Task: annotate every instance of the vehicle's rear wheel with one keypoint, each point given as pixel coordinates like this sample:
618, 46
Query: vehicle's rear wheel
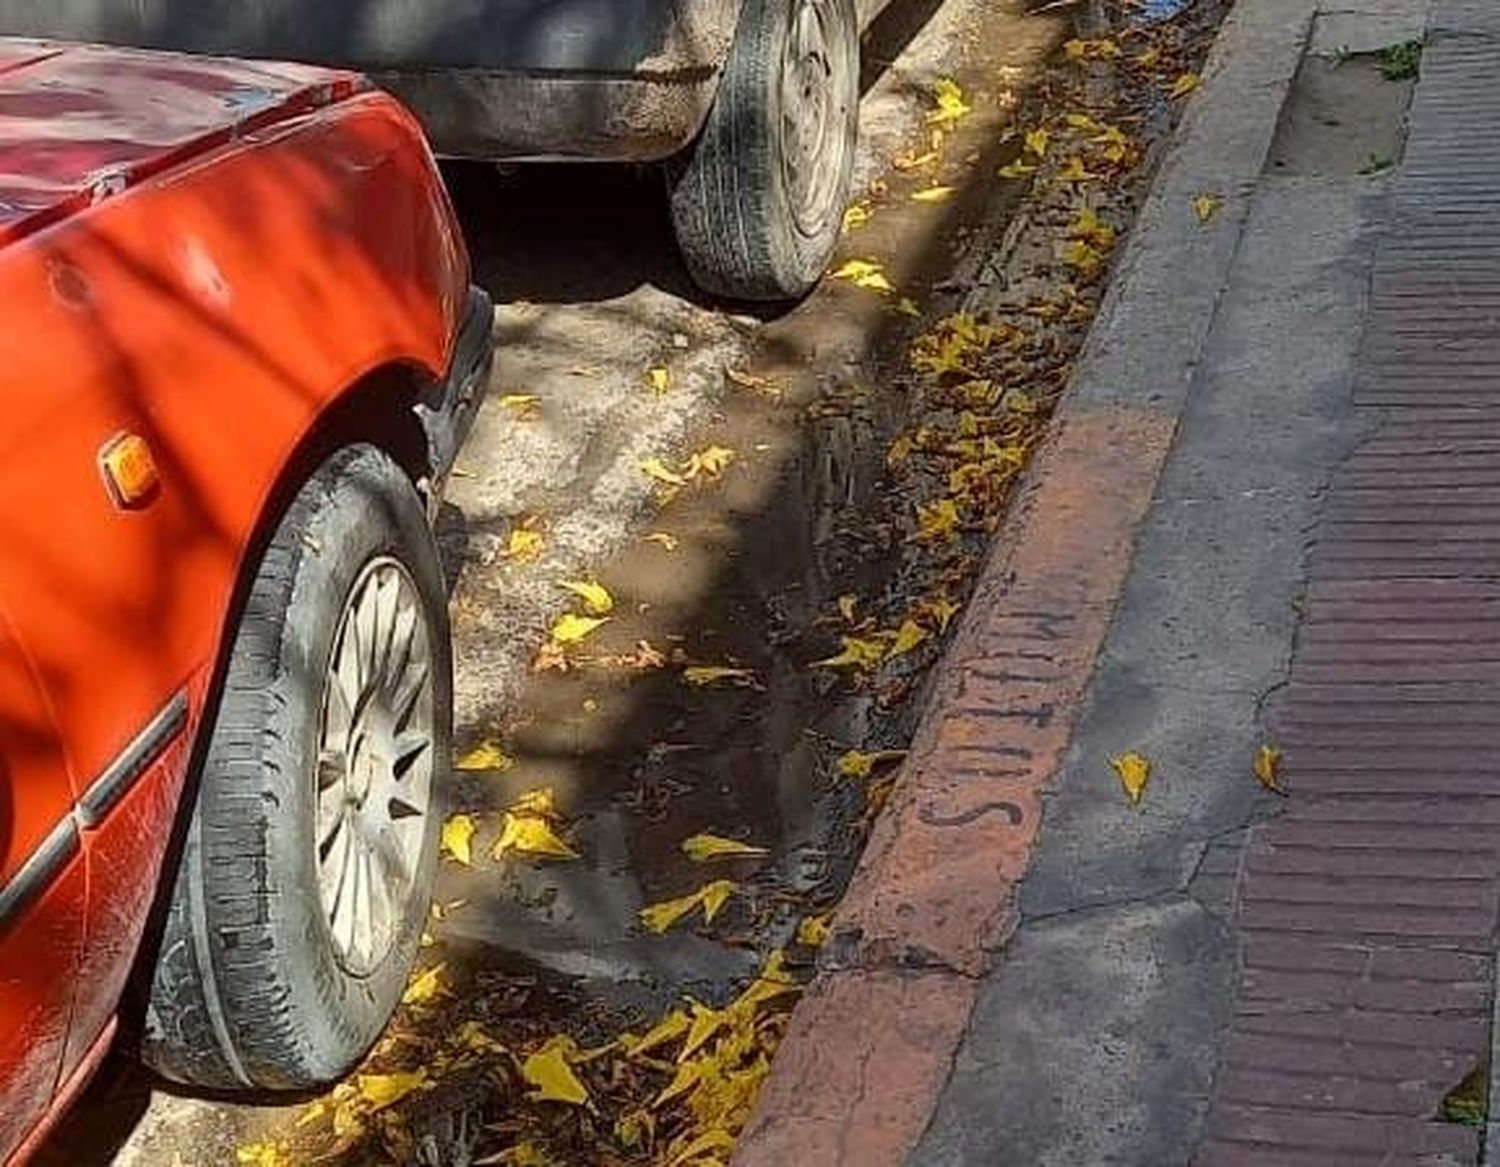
305, 872
758, 202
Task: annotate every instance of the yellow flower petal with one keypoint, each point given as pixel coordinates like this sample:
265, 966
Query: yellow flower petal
529, 835
571, 628
595, 596
382, 1090
1135, 771
458, 838
487, 755
1267, 765
702, 847
424, 986
550, 1076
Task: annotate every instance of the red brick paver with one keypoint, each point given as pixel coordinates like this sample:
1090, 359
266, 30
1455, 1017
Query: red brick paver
1368, 910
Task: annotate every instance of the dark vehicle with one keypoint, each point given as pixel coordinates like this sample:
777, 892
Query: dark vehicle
755, 102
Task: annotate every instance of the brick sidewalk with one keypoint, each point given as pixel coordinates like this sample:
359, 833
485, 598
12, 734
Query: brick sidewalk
1367, 912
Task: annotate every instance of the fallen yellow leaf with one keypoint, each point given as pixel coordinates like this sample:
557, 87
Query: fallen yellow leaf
914, 161
382, 1090
864, 273
937, 520
813, 931
856, 764
752, 381
703, 1150
701, 848
663, 540
487, 755
711, 461
1102, 49
523, 405
424, 986
939, 608
847, 604
658, 470
660, 379
1075, 171
541, 802
1016, 169
571, 628
858, 653
665, 1031
1267, 765
856, 215
529, 834
595, 596
472, 1036
908, 636
458, 838
1185, 84
551, 1077
1205, 206
1082, 257
701, 676
524, 545
262, 1154
948, 99
859, 764
1088, 227
715, 896
1036, 141
932, 194
711, 897
1134, 771
908, 307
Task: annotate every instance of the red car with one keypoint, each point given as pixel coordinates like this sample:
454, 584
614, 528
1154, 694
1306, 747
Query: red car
239, 351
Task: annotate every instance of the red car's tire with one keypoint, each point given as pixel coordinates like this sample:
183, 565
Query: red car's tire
758, 202
258, 980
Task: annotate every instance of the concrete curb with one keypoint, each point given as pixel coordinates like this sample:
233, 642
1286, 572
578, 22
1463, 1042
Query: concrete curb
932, 902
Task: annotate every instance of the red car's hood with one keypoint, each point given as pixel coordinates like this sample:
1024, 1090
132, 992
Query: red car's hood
79, 123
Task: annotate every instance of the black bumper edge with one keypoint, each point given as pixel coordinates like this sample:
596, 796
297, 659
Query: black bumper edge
448, 413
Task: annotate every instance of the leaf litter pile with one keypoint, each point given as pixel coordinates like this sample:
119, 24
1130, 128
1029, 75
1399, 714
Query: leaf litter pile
494, 1066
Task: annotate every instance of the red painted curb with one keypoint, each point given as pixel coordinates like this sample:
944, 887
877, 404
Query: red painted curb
931, 903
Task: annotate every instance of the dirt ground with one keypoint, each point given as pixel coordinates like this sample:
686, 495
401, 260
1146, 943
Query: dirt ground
757, 494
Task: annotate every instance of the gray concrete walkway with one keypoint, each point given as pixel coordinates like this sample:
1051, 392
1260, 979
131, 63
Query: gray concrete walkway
1224, 975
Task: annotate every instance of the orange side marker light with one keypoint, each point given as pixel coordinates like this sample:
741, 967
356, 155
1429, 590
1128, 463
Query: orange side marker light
129, 470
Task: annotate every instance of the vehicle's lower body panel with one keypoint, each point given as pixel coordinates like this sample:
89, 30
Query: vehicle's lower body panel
616, 79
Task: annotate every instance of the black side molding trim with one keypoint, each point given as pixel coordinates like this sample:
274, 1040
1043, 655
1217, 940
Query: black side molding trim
42, 866
122, 773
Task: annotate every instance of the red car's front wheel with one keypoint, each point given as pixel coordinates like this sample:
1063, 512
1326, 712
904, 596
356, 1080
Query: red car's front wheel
304, 878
